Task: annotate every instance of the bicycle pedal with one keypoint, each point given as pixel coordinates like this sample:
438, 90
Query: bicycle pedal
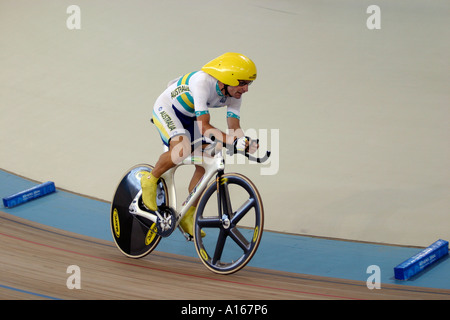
186, 235
142, 206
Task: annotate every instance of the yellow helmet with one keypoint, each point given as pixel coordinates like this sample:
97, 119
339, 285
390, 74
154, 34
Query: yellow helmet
231, 67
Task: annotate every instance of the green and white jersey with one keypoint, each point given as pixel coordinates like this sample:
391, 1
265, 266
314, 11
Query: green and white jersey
194, 93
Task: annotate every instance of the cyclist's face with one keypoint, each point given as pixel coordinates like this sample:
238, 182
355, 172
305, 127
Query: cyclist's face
238, 91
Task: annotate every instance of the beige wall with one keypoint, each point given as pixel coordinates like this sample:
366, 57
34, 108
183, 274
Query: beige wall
362, 115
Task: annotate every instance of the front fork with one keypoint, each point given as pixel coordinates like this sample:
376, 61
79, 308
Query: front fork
224, 203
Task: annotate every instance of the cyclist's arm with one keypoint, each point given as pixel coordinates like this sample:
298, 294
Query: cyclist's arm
234, 126
209, 130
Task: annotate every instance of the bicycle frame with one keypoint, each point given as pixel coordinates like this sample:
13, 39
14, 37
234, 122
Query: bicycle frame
137, 230
212, 165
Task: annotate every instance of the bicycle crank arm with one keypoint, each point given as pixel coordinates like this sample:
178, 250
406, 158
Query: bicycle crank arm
136, 210
164, 218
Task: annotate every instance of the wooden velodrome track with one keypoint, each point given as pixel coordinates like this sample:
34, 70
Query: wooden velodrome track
35, 259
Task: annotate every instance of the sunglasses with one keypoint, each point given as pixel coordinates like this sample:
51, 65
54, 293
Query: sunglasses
244, 83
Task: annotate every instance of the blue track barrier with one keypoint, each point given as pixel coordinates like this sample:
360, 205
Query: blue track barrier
29, 194
420, 261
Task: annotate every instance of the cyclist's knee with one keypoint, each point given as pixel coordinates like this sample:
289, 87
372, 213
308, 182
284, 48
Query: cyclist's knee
199, 170
180, 148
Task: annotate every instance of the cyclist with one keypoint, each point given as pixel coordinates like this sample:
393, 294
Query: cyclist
182, 118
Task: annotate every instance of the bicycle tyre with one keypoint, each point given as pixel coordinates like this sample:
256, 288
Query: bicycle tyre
244, 239
133, 235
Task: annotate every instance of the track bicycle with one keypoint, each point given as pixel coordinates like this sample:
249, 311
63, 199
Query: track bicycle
230, 211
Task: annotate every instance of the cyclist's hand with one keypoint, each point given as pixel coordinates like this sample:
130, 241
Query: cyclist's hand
253, 146
245, 144
241, 144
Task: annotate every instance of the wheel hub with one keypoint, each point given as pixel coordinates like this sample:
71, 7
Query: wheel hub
226, 223
165, 223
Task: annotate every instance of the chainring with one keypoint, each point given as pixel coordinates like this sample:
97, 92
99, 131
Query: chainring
166, 221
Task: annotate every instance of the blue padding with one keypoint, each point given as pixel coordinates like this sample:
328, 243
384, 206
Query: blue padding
420, 261
29, 194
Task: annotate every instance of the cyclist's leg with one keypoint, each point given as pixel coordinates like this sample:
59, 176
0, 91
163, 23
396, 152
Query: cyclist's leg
179, 149
198, 174
199, 142
177, 138
174, 129
166, 161
187, 223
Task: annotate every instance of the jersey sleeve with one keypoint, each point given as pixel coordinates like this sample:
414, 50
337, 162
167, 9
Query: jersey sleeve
234, 109
200, 94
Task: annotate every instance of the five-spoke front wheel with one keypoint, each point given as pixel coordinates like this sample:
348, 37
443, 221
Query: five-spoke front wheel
233, 231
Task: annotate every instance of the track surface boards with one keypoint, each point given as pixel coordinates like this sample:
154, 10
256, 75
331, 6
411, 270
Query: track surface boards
35, 259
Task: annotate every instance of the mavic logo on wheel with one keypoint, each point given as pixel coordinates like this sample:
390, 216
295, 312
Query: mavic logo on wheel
151, 234
116, 223
204, 254
255, 234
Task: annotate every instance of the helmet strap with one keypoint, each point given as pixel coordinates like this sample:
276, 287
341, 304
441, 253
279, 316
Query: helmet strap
225, 87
